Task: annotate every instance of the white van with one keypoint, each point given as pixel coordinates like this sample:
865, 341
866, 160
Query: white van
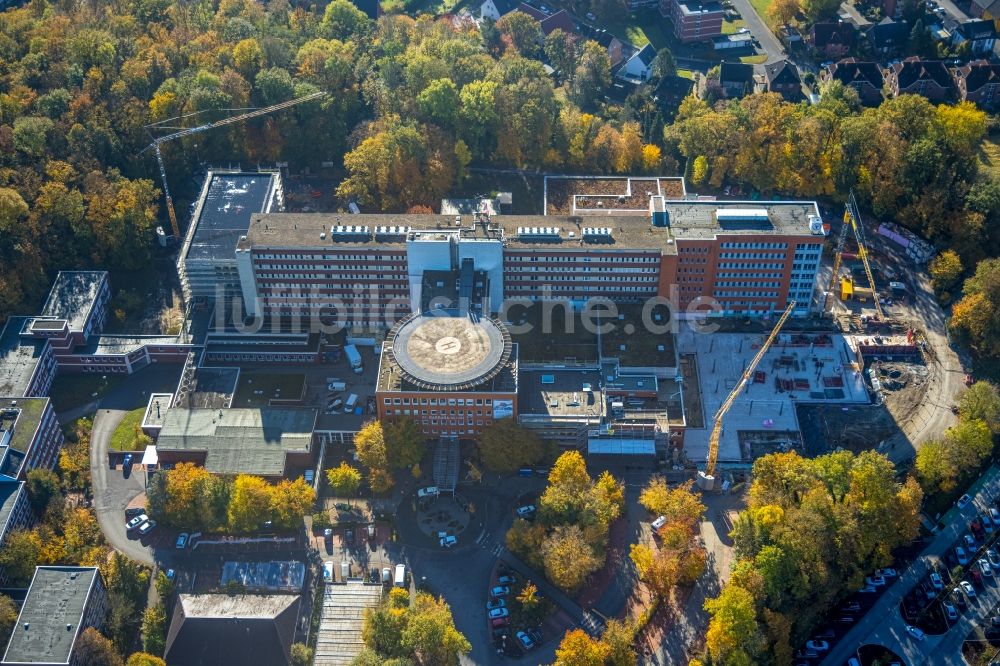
400, 579
328, 572
351, 401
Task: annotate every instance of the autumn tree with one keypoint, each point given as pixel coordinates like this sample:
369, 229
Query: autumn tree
977, 315
505, 446
783, 12
43, 487
369, 442
592, 75
250, 505
680, 504
154, 630
568, 558
93, 649
423, 630
619, 637
579, 649
74, 458
981, 402
290, 501
946, 270
8, 617
344, 480
733, 636
19, 556
342, 20
520, 31
144, 659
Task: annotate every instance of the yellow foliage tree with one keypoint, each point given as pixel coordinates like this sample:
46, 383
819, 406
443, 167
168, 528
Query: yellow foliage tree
290, 501
579, 649
249, 504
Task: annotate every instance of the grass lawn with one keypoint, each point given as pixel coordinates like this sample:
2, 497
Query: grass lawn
71, 390
686, 73
754, 59
989, 156
761, 7
123, 438
639, 29
730, 27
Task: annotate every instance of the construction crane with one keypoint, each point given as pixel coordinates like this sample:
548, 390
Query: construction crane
852, 221
706, 479
155, 146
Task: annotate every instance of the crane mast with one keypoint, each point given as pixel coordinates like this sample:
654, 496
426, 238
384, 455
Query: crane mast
155, 146
852, 221
706, 479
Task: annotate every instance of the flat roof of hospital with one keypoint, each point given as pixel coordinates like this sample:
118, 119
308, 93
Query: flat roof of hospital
224, 215
18, 357
72, 297
688, 220
51, 615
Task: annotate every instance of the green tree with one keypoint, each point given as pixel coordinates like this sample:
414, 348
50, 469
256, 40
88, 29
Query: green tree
439, 103
8, 617
12, 209
342, 20
592, 75
404, 443
679, 504
344, 480
275, 85
979, 402
521, 31
154, 630
43, 486
664, 63
19, 556
31, 135
560, 49
302, 654
505, 446
423, 630
733, 635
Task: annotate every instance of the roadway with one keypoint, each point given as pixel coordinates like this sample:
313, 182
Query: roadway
758, 27
884, 625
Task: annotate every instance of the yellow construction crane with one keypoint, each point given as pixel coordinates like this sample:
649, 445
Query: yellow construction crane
155, 146
706, 479
852, 220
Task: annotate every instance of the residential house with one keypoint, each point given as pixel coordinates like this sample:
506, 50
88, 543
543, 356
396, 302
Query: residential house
640, 66
613, 46
671, 91
864, 77
494, 9
889, 37
533, 12
228, 630
61, 603
694, 20
978, 82
561, 20
980, 34
736, 79
833, 40
783, 78
917, 76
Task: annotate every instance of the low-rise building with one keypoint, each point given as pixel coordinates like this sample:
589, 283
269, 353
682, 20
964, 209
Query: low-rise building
979, 34
30, 436
640, 66
783, 78
978, 82
736, 79
916, 76
227, 630
986, 9
270, 442
61, 603
864, 77
832, 39
889, 37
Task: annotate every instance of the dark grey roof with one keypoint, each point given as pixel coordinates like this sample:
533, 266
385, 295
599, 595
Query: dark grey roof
10, 489
913, 70
647, 54
889, 34
833, 32
18, 357
72, 297
978, 74
977, 29
51, 615
735, 72
224, 630
224, 216
781, 73
505, 6
850, 71
672, 89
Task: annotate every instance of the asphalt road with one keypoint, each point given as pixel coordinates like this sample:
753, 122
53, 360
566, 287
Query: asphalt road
884, 625
112, 489
758, 27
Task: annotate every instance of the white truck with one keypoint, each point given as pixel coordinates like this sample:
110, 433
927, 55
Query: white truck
354, 358
400, 577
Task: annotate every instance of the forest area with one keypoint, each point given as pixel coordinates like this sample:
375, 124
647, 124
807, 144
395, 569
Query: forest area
411, 104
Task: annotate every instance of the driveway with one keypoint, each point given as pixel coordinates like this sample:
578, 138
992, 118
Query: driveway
113, 490
883, 624
758, 27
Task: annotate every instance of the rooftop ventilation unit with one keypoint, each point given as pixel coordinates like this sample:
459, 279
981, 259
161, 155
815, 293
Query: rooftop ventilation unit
542, 233
349, 232
816, 225
388, 232
741, 214
597, 234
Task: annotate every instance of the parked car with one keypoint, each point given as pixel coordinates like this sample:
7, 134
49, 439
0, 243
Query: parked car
847, 619
916, 633
968, 589
817, 646
875, 581
868, 589
963, 501
525, 640
958, 598
500, 591
888, 572
499, 612
658, 523
988, 525
132, 513
328, 572
851, 606
526, 511
506, 579
448, 541
993, 558
949, 611
136, 522
985, 569
429, 491
960, 555
936, 581
500, 622
970, 542
147, 527
995, 515
182, 540
495, 603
